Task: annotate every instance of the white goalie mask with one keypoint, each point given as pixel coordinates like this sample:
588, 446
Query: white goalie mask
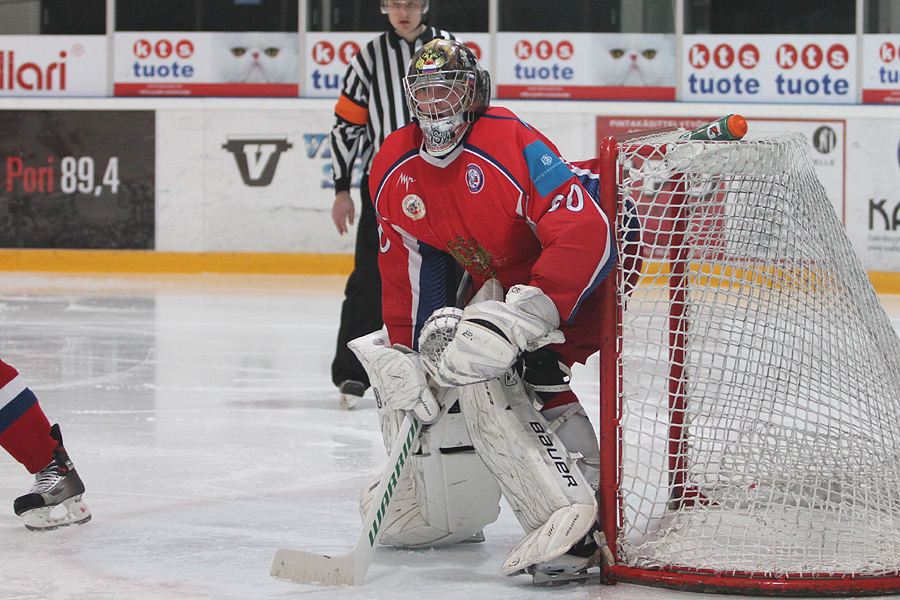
446, 91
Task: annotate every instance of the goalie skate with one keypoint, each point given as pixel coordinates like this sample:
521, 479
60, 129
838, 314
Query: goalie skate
592, 574
571, 567
57, 484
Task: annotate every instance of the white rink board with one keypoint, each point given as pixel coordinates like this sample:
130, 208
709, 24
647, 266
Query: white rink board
205, 205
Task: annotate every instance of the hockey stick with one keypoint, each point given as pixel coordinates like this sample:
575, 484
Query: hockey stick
350, 569
320, 569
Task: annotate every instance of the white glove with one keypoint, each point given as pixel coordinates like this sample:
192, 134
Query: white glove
397, 376
489, 336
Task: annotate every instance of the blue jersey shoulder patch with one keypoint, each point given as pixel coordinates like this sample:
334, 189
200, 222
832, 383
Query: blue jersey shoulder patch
545, 168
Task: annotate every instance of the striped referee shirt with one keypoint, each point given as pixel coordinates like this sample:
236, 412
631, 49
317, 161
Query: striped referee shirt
372, 104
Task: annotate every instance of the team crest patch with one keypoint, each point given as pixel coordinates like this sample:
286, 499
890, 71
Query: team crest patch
472, 255
474, 178
413, 207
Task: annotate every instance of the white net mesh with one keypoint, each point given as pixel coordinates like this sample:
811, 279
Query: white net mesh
773, 351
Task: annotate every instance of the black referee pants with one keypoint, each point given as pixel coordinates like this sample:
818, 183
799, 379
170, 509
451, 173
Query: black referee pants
361, 310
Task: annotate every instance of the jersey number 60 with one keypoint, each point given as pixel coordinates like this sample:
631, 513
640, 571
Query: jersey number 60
574, 199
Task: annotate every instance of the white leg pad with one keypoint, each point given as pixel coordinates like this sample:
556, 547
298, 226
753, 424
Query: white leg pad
538, 476
560, 532
447, 496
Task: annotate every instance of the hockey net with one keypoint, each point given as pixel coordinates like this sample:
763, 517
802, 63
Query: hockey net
750, 388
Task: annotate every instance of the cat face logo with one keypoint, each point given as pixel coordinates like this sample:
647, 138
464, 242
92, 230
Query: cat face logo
413, 207
257, 157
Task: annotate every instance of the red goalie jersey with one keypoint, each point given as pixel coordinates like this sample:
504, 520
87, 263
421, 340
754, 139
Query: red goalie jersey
502, 205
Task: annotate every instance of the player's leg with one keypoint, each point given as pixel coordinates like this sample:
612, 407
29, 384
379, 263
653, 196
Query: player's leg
545, 374
546, 464
448, 496
361, 309
27, 435
539, 465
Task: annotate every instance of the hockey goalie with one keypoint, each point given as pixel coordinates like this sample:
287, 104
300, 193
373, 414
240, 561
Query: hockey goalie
472, 185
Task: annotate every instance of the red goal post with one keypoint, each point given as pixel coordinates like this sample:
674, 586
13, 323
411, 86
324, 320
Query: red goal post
750, 380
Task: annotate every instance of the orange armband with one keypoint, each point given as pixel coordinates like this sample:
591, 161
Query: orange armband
350, 111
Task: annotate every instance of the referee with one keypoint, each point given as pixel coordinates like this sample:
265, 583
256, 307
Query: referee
370, 107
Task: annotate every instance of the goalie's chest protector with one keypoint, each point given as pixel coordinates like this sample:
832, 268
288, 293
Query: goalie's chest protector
475, 203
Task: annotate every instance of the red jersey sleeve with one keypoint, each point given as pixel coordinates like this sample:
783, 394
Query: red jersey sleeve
575, 235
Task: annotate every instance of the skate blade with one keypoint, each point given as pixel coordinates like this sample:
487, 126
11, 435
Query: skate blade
592, 575
42, 519
478, 538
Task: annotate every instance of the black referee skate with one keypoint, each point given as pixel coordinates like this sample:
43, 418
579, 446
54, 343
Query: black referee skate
351, 391
56, 484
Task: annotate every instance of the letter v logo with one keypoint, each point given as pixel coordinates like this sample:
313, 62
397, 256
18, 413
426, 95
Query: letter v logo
257, 158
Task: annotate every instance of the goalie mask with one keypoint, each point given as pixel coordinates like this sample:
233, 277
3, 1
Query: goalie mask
446, 91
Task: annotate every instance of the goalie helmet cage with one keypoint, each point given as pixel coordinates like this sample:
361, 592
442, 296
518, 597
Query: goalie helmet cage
750, 384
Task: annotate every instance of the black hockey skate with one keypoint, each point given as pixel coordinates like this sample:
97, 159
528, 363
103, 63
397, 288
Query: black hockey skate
351, 391
56, 484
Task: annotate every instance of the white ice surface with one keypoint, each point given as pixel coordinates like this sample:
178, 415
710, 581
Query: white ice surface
200, 413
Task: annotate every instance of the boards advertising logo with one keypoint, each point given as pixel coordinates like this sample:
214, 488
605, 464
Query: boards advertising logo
544, 50
53, 65
778, 68
257, 157
329, 55
887, 54
324, 53
160, 58
824, 139
884, 213
19, 74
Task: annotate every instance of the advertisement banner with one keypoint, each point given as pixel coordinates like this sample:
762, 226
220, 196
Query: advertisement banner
78, 179
52, 65
327, 57
769, 68
268, 183
873, 184
827, 139
329, 54
206, 64
881, 69
596, 66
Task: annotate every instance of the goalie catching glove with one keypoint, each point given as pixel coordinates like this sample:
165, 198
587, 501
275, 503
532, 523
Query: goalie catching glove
483, 341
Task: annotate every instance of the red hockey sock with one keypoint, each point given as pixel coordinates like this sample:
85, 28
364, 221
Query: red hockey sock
560, 399
24, 429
